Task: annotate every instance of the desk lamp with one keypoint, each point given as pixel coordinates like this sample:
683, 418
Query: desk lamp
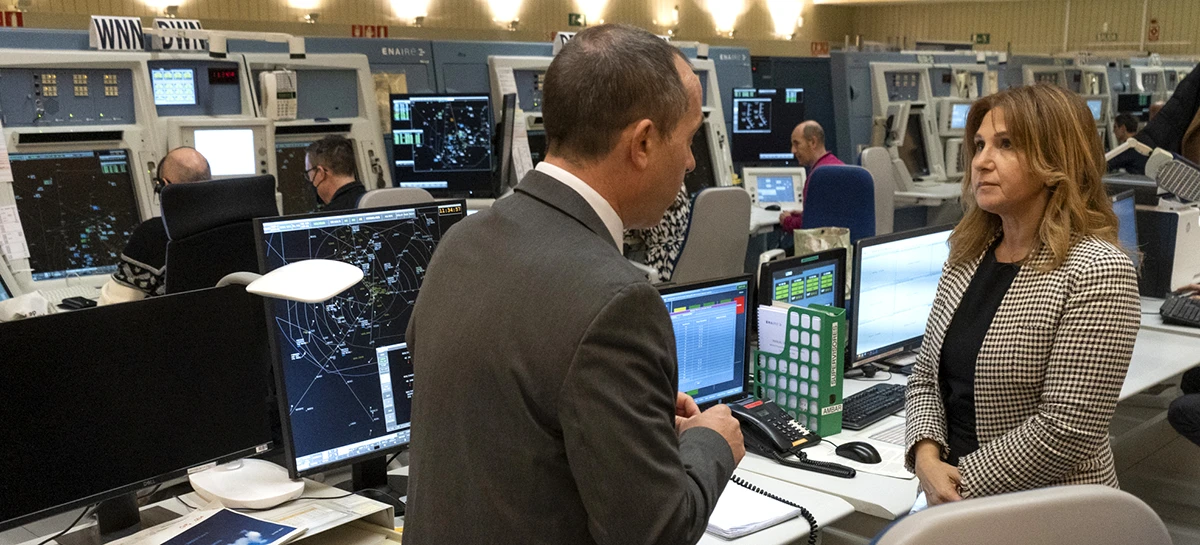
258, 484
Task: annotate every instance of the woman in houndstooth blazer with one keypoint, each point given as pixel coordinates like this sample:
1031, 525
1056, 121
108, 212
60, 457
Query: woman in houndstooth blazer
1034, 321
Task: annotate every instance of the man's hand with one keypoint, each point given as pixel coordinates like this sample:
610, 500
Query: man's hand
939, 480
685, 408
1194, 289
718, 418
787, 213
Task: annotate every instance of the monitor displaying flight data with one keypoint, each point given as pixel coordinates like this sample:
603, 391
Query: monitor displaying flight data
704, 175
173, 86
912, 148
763, 120
443, 144
815, 279
1126, 211
776, 189
958, 116
77, 209
1096, 106
230, 152
895, 281
775, 185
299, 196
709, 319
344, 364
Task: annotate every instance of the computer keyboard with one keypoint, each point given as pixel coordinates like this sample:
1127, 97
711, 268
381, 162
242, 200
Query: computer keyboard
1181, 310
56, 295
872, 405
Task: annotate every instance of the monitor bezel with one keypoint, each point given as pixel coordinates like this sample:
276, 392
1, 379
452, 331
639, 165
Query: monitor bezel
947, 113
1131, 195
277, 367
485, 187
670, 289
852, 359
768, 270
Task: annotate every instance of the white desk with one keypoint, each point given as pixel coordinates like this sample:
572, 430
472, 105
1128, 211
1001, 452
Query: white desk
824, 507
931, 195
763, 221
1151, 319
1157, 356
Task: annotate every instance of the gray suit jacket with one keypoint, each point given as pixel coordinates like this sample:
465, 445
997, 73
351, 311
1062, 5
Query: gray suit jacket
544, 393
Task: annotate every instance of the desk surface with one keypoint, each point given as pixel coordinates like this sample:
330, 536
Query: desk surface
1151, 319
763, 220
824, 507
932, 194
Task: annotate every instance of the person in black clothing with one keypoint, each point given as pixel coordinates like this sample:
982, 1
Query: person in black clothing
142, 270
329, 167
1125, 126
1176, 128
1184, 413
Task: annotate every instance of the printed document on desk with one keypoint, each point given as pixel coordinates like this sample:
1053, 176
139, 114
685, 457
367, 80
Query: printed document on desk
741, 511
216, 527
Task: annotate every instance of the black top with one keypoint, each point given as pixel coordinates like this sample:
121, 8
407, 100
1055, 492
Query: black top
144, 259
346, 197
961, 347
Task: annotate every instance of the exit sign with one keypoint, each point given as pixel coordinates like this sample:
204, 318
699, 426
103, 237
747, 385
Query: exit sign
981, 39
1106, 36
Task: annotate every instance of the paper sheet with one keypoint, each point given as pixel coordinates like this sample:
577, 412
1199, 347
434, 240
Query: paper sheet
892, 464
5, 166
522, 158
12, 236
772, 329
507, 81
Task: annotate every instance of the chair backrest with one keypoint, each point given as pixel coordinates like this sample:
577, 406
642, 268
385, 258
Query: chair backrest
841, 196
1062, 515
394, 196
879, 164
211, 230
717, 234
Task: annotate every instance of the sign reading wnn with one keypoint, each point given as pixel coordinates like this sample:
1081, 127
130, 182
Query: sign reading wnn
116, 34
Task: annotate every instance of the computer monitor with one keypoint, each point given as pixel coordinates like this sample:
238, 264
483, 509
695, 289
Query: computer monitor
912, 147
343, 366
1135, 104
506, 129
895, 279
173, 86
1126, 211
233, 148
299, 195
443, 144
77, 209
953, 117
763, 120
1097, 107
704, 175
814, 279
775, 185
230, 152
117, 408
709, 319
8, 286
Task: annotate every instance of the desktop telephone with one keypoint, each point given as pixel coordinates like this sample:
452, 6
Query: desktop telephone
769, 431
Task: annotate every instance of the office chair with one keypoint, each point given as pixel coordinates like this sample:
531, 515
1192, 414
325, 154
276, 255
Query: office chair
394, 196
879, 164
1062, 515
841, 196
718, 231
211, 230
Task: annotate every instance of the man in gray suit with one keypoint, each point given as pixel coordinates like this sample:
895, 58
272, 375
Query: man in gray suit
545, 407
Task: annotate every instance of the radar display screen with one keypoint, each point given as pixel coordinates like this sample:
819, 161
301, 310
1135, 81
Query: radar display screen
344, 363
443, 144
77, 209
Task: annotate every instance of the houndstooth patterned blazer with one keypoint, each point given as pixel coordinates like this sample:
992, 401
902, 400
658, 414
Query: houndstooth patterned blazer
1047, 376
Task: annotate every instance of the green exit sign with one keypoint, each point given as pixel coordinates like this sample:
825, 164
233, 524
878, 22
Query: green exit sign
981, 39
575, 19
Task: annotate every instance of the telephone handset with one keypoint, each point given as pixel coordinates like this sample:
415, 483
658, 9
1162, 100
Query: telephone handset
769, 431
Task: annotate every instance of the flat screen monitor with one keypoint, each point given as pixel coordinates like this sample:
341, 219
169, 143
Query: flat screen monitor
763, 120
958, 116
120, 406
507, 128
173, 86
299, 196
344, 367
7, 285
709, 319
895, 279
77, 209
230, 152
815, 279
1135, 104
1126, 211
443, 144
537, 146
775, 185
912, 148
1097, 107
704, 175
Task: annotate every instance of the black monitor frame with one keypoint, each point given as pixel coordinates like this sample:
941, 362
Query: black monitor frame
506, 129
459, 183
749, 147
1129, 194
852, 359
744, 373
768, 270
914, 149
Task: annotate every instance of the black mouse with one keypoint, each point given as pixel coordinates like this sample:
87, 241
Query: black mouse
772, 207
859, 452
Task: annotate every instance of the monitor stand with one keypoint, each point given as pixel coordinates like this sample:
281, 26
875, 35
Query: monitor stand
369, 478
117, 518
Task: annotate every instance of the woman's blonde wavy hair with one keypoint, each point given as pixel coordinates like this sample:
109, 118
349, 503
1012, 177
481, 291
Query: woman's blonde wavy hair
1053, 131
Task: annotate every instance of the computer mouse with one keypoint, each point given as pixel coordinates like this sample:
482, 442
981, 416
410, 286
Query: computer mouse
859, 452
772, 207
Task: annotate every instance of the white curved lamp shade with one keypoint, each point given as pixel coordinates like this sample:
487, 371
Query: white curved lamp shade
309, 281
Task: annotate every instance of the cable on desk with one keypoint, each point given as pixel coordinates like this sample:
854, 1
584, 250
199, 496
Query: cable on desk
85, 511
185, 504
812, 521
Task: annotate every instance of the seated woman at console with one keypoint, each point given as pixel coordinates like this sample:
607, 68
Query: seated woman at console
1033, 325
659, 246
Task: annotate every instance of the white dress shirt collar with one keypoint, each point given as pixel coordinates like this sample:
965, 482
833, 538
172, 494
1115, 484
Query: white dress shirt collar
611, 220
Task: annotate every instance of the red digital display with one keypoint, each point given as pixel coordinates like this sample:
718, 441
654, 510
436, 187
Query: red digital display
218, 76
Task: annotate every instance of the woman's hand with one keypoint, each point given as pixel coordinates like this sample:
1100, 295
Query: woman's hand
940, 481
